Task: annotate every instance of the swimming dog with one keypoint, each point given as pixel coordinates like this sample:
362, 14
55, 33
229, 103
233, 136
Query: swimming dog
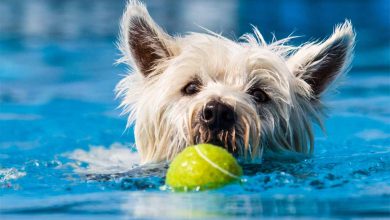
248, 96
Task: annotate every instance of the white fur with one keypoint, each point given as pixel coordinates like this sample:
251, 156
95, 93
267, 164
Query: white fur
165, 120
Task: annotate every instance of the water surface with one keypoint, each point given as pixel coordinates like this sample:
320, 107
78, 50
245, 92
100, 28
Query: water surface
57, 107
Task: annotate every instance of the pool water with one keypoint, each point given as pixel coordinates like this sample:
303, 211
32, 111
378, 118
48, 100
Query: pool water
64, 151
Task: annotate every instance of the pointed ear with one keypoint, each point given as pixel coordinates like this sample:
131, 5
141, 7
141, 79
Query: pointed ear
142, 42
319, 64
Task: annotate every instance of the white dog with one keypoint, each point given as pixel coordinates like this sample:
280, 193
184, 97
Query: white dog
247, 96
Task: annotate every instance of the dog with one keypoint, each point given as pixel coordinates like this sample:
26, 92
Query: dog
248, 96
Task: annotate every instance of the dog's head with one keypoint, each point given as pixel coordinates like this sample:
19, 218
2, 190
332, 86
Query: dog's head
203, 88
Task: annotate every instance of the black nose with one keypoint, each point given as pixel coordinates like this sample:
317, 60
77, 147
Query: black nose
218, 116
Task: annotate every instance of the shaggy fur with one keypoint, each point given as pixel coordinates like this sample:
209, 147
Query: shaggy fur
166, 120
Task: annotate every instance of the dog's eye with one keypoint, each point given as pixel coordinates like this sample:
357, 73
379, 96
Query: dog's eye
259, 95
191, 88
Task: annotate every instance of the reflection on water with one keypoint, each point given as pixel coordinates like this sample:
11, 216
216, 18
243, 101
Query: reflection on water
245, 206
142, 205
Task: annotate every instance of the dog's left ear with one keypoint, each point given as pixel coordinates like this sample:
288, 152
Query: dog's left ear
319, 64
142, 42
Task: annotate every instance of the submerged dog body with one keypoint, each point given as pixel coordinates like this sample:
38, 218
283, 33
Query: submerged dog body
247, 96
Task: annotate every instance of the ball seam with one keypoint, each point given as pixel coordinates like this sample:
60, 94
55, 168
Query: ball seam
204, 157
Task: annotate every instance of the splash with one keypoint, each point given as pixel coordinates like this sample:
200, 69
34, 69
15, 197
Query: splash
7, 174
116, 158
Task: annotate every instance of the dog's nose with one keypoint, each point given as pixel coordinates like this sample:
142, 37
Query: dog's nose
218, 116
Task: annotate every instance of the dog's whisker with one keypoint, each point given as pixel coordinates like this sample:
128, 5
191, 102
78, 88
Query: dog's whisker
202, 135
233, 142
246, 133
220, 136
226, 139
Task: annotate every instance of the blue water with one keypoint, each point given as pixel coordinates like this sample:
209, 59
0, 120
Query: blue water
64, 152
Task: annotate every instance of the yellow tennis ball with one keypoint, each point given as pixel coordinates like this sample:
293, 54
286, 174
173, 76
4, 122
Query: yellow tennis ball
201, 167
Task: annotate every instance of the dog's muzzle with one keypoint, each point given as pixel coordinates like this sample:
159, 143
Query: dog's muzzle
218, 119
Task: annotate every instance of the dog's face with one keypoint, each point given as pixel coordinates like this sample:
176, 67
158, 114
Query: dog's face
245, 96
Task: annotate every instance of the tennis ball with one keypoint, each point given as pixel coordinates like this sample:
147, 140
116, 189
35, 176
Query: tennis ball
201, 167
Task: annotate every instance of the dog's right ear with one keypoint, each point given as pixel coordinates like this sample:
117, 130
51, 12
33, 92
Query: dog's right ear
142, 42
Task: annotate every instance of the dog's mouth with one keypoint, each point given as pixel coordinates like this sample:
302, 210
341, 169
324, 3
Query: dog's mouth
216, 142
240, 137
228, 147
224, 139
